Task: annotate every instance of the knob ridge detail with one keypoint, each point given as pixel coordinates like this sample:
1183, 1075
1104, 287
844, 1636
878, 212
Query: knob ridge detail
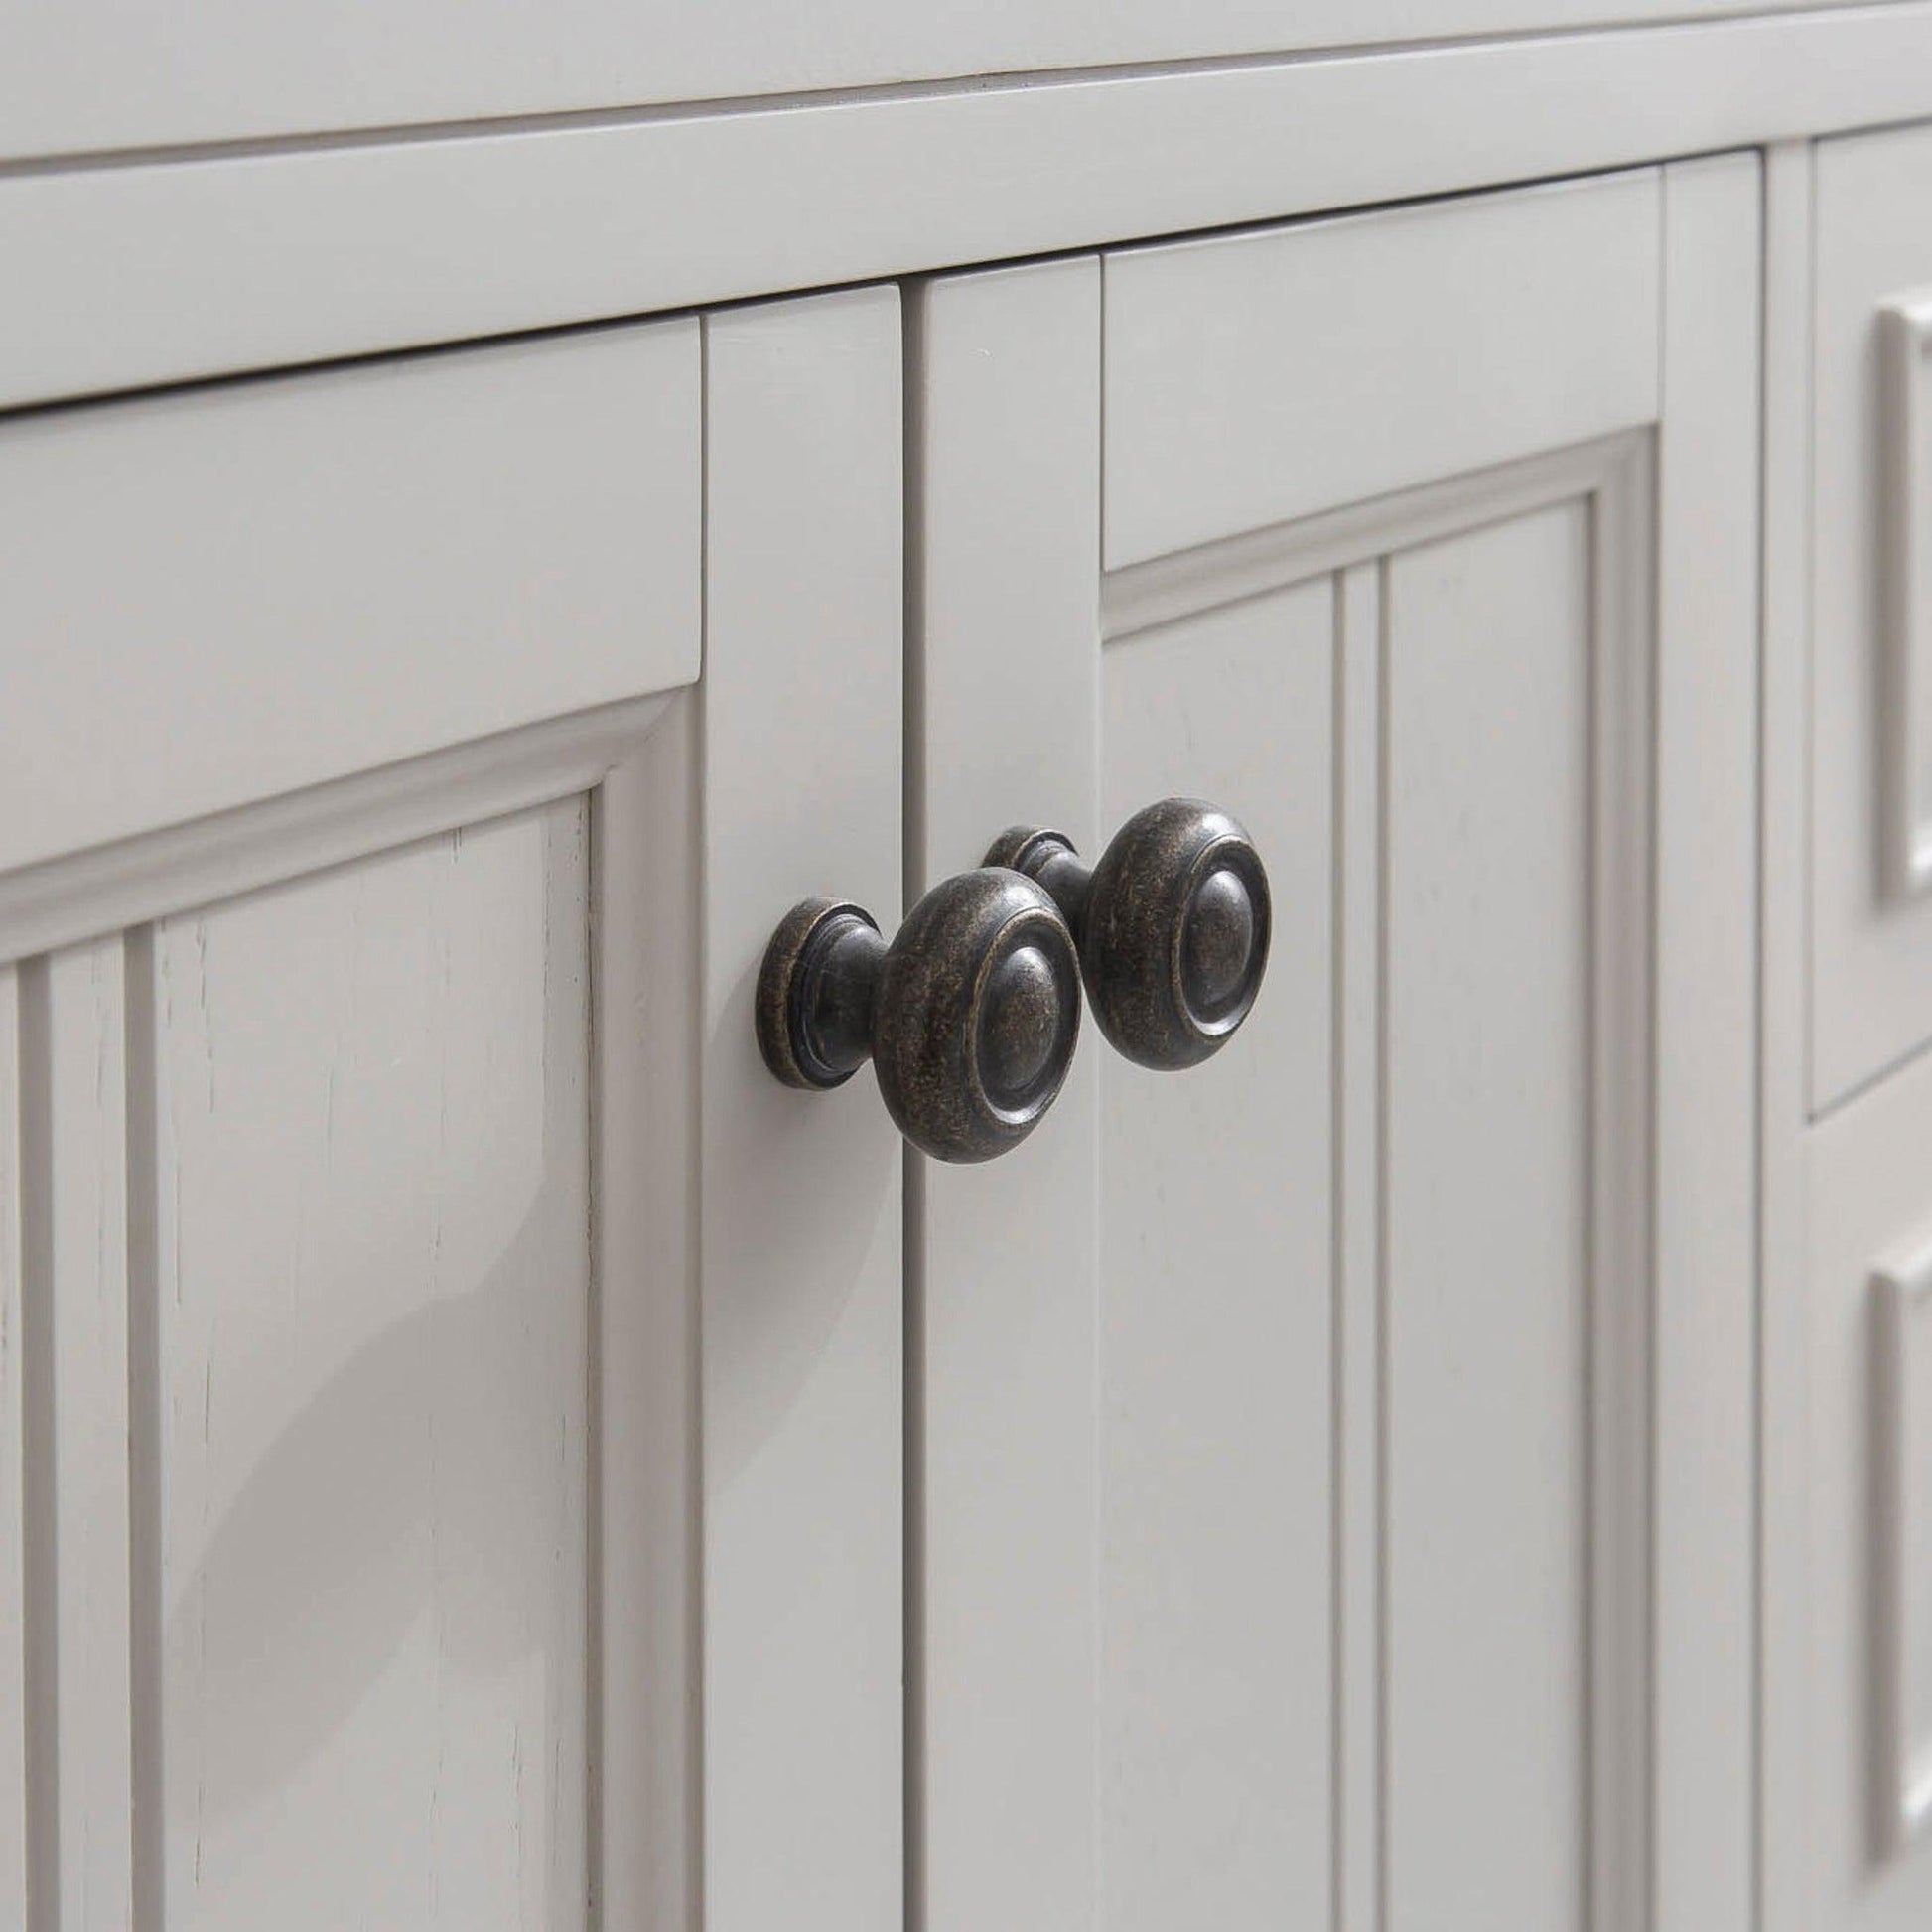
969, 1017
1172, 926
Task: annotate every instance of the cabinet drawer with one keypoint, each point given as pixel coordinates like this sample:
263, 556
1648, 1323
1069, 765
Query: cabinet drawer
1868, 1574
1872, 636
224, 592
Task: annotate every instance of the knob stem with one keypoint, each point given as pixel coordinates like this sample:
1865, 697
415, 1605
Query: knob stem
817, 995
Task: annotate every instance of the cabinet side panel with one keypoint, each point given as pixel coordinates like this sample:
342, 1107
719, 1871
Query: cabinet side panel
802, 1338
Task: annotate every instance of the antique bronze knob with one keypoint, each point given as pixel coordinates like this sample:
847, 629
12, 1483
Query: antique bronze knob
1172, 925
969, 1017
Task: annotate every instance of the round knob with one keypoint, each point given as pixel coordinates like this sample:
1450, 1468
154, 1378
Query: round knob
969, 1017
1172, 926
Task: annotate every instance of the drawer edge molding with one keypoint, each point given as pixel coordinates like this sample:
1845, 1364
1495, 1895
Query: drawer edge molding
1905, 360
1902, 1781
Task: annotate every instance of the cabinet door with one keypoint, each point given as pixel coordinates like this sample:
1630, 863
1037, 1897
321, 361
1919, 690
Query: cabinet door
1333, 1467
396, 1370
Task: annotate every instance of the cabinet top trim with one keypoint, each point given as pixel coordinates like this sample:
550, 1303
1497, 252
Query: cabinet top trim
243, 259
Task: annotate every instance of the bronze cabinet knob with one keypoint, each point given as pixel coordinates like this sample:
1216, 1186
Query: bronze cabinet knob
969, 1015
1172, 926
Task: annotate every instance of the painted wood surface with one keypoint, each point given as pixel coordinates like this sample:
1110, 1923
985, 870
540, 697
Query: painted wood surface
359, 1516
1003, 1266
1870, 1519
1217, 1580
1708, 693
1400, 1618
370, 1283
1786, 1890
342, 568
1871, 940
1377, 348
268, 256
106, 75
800, 1215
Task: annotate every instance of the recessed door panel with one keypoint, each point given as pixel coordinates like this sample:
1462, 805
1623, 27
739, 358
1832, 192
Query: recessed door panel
1216, 1317
1485, 1175
370, 1331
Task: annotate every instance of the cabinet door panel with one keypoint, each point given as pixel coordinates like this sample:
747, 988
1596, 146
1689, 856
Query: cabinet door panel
370, 1275
420, 1312
1216, 1463
1486, 1085
1386, 1582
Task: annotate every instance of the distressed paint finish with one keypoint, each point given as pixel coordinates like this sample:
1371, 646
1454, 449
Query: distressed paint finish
372, 1111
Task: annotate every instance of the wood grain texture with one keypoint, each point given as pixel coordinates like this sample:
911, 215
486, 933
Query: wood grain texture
263, 259
801, 1223
371, 1279
313, 576
1383, 350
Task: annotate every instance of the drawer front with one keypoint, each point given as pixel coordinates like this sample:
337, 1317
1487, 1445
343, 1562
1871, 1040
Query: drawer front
1869, 1552
1871, 627
223, 593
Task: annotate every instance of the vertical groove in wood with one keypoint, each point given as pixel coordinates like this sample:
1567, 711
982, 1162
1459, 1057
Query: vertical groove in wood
913, 748
1358, 1191
145, 1671
13, 1551
1384, 725
40, 1623
1620, 1267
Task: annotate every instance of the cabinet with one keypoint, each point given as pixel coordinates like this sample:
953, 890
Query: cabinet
1333, 1467
475, 1449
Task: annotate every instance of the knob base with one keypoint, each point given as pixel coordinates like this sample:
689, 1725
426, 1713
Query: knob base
815, 993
